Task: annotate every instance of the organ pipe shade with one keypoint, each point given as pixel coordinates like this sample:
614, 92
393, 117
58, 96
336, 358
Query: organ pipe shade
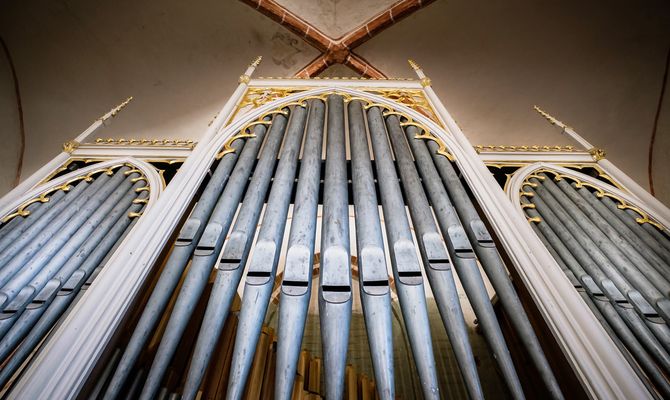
328, 218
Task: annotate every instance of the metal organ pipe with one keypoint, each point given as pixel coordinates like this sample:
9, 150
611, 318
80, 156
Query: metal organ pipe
461, 255
50, 258
494, 267
609, 258
236, 250
335, 272
12, 230
16, 254
634, 226
213, 197
406, 268
649, 253
47, 307
296, 285
208, 250
47, 281
616, 311
373, 272
611, 242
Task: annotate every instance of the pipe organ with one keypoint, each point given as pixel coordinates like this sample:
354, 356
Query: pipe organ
332, 239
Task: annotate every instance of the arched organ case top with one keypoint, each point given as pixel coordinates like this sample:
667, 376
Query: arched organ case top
53, 244
62, 372
616, 255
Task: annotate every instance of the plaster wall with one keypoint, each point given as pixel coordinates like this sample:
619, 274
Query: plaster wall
10, 134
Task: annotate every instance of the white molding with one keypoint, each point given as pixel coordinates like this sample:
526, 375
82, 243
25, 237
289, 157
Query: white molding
143, 152
530, 157
154, 181
336, 83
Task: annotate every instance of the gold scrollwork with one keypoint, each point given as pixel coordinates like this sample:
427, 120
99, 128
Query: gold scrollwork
244, 79
246, 131
67, 186
425, 81
599, 192
145, 142
534, 219
425, 133
524, 148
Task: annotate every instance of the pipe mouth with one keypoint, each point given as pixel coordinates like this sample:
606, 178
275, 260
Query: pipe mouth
336, 293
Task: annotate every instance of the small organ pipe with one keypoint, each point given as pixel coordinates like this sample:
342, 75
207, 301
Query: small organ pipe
610, 241
66, 294
34, 237
597, 266
14, 228
648, 252
41, 290
56, 252
608, 254
624, 310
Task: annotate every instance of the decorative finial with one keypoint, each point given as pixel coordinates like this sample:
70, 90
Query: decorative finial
256, 62
548, 117
120, 106
413, 64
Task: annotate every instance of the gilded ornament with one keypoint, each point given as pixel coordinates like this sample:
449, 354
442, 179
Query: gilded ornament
597, 154
256, 62
413, 64
244, 79
425, 81
70, 146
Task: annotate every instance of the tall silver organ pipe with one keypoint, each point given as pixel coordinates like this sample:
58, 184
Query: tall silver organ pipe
407, 205
494, 267
236, 250
213, 197
406, 266
208, 251
460, 252
296, 286
373, 272
335, 273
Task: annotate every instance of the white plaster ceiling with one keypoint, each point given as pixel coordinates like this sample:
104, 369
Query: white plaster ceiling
596, 66
335, 18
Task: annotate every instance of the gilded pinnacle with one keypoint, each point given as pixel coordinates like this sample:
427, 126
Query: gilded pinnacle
413, 64
549, 118
120, 107
256, 62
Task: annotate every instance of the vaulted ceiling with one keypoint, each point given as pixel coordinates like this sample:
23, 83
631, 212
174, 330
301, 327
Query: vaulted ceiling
598, 67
